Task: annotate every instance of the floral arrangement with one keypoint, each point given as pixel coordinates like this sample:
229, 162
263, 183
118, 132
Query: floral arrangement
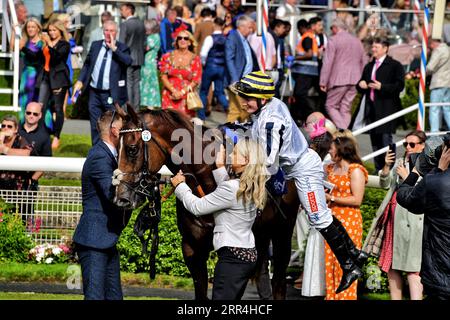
49, 253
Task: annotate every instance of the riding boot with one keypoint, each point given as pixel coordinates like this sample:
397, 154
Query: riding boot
359, 257
336, 240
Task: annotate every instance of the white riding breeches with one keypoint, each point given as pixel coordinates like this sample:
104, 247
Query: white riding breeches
308, 175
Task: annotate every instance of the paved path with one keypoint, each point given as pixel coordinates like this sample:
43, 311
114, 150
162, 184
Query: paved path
132, 291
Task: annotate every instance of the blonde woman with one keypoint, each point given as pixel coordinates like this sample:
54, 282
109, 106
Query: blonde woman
234, 204
31, 54
56, 77
181, 70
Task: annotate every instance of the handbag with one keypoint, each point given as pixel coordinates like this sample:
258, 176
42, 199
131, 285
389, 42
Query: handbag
193, 100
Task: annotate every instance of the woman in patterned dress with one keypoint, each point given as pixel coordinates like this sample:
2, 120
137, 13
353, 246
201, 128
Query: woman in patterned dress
30, 46
150, 94
181, 71
349, 177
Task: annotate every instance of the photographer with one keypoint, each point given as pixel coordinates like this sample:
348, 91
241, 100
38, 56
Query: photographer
431, 197
400, 248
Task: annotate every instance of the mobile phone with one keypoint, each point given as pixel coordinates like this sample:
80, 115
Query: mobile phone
75, 96
393, 148
328, 186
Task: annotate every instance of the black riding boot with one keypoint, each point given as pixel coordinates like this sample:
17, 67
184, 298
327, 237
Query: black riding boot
359, 257
336, 240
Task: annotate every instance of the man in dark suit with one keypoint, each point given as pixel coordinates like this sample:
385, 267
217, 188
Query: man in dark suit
381, 83
167, 27
101, 222
132, 33
104, 73
240, 61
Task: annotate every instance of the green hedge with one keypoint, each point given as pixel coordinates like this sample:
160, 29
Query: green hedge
15, 243
169, 259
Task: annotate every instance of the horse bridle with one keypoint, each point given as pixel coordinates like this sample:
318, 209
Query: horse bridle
147, 182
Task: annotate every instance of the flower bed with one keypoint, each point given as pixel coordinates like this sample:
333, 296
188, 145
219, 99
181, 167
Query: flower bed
50, 253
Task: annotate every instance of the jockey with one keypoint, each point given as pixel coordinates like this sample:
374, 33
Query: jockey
288, 149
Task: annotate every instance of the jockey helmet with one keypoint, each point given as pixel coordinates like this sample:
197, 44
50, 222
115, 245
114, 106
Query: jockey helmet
255, 85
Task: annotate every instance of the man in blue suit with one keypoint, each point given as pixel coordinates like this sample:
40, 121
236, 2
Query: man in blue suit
104, 74
240, 61
102, 222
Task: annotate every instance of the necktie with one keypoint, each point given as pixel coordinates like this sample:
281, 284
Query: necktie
102, 70
372, 91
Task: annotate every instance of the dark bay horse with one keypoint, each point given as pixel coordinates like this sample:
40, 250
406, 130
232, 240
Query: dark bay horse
141, 156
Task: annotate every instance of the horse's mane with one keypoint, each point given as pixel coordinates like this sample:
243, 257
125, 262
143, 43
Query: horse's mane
173, 118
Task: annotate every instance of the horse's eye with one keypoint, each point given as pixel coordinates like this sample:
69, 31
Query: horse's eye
132, 151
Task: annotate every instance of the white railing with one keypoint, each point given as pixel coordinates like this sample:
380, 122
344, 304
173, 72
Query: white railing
393, 117
9, 15
75, 165
50, 164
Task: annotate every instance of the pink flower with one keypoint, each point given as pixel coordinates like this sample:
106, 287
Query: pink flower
64, 248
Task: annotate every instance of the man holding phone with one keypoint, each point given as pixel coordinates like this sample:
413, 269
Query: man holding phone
104, 73
382, 81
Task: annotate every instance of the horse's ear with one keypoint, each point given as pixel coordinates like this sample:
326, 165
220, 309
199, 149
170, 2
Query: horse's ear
132, 113
120, 110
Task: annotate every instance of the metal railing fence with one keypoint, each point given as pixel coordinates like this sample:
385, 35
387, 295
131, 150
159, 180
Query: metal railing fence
49, 214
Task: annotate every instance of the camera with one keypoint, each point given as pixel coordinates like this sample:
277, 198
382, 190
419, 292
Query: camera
429, 157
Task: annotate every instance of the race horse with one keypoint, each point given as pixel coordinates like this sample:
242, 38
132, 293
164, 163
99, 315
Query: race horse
146, 144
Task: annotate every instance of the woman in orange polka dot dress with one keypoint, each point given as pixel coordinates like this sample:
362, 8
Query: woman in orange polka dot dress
349, 177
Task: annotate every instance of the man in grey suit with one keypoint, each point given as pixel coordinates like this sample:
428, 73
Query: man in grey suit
132, 33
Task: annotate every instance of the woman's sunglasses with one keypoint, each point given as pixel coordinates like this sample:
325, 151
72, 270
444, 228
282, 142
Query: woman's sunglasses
411, 144
183, 38
9, 126
36, 114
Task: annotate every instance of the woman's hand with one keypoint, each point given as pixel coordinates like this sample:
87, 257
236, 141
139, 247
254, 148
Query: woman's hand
220, 157
444, 161
179, 178
389, 159
175, 95
401, 171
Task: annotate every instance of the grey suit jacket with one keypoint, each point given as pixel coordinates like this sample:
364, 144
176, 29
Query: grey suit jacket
233, 220
132, 33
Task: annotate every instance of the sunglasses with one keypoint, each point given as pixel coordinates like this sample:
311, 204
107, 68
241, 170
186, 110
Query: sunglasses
36, 114
183, 38
411, 144
9, 126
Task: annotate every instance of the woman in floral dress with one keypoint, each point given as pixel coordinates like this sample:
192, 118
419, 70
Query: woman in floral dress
30, 46
181, 70
150, 94
349, 177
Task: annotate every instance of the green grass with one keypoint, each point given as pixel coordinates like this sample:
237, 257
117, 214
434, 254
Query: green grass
59, 182
51, 296
5, 82
375, 296
57, 273
73, 145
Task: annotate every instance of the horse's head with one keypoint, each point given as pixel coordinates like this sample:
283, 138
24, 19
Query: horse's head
141, 156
